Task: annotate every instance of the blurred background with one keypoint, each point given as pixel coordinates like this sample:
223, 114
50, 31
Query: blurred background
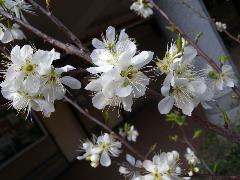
45, 149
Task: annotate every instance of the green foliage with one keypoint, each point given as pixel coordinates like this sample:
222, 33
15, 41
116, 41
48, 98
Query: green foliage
223, 59
179, 43
222, 156
176, 118
106, 117
171, 29
197, 133
226, 119
173, 138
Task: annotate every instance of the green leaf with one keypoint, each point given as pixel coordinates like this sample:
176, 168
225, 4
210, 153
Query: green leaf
223, 59
106, 117
171, 29
173, 138
226, 119
197, 133
177, 118
179, 43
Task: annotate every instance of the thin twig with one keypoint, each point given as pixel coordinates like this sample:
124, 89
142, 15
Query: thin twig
59, 24
186, 140
210, 20
68, 48
99, 123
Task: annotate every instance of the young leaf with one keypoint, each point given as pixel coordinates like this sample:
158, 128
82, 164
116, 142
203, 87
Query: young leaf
223, 59
197, 133
173, 138
179, 43
226, 119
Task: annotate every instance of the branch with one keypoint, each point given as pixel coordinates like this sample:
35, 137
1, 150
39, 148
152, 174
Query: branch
210, 20
59, 24
218, 130
99, 123
193, 44
69, 49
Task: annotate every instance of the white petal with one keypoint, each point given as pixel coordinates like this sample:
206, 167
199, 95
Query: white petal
95, 70
142, 59
110, 34
64, 69
130, 159
16, 56
148, 165
71, 82
105, 159
165, 105
8, 37
99, 101
189, 54
26, 51
124, 91
94, 85
32, 84
101, 56
123, 36
98, 44
127, 103
199, 87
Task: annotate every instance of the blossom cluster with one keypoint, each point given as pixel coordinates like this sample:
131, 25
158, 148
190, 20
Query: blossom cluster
118, 76
221, 26
12, 31
162, 166
99, 150
32, 82
184, 85
142, 8
129, 131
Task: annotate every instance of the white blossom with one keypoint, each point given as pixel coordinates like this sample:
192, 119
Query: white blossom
163, 166
31, 81
8, 34
16, 7
221, 26
100, 150
129, 170
219, 81
183, 86
121, 78
129, 131
192, 161
191, 157
142, 8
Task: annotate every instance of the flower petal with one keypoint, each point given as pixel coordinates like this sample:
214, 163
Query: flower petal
165, 105
71, 82
105, 159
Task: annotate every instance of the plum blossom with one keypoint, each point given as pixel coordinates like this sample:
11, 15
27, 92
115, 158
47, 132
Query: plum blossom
142, 8
183, 86
120, 78
163, 166
100, 149
31, 81
16, 7
218, 81
192, 161
221, 26
8, 34
129, 131
183, 94
129, 169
